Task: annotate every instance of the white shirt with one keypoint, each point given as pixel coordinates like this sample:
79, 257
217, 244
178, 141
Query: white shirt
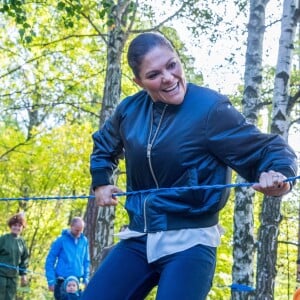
163, 243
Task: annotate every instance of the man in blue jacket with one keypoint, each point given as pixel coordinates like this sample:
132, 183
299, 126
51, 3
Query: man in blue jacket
68, 256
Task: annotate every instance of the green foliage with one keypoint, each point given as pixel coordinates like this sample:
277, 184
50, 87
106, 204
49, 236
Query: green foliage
70, 9
53, 164
105, 12
15, 9
288, 252
52, 83
50, 96
241, 4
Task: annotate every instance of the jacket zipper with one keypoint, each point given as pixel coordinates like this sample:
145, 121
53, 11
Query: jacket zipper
151, 142
145, 218
149, 148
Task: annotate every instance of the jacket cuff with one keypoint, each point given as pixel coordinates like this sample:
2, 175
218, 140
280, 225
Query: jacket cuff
51, 282
100, 177
289, 173
23, 272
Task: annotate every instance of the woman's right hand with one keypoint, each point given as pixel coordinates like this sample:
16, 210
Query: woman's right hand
104, 195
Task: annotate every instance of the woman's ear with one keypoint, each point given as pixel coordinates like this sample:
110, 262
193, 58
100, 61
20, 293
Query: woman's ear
138, 82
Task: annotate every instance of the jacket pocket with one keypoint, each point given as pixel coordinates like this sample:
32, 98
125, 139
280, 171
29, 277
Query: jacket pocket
182, 197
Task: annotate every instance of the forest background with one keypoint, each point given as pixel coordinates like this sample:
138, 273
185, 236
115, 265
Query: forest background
62, 72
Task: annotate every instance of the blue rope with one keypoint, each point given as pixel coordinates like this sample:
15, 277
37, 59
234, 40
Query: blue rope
234, 286
47, 198
197, 187
183, 188
19, 269
12, 267
241, 287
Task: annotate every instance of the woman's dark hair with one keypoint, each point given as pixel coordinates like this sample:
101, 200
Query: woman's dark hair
17, 219
141, 45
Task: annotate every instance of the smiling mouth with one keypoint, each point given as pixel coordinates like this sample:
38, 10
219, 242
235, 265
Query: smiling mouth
171, 89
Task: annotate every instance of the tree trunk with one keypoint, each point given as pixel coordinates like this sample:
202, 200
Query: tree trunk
298, 260
267, 248
243, 241
100, 220
270, 216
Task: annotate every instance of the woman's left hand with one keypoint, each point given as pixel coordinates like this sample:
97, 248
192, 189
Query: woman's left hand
23, 280
272, 184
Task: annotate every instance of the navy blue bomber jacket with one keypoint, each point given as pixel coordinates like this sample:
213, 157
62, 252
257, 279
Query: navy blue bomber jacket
184, 145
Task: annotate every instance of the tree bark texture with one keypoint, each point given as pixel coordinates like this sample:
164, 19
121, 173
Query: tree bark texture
267, 248
253, 65
100, 220
281, 97
243, 240
271, 216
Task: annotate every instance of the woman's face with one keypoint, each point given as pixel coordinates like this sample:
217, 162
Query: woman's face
16, 228
162, 76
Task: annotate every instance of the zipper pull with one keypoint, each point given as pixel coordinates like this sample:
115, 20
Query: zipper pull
149, 150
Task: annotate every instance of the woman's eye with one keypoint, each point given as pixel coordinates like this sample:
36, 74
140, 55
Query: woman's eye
152, 76
172, 65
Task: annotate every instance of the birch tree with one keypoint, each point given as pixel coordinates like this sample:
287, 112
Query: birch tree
283, 104
243, 240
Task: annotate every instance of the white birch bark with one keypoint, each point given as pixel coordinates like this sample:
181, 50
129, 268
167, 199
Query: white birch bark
270, 215
243, 240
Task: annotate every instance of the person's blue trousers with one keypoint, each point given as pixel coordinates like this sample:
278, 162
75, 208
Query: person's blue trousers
125, 274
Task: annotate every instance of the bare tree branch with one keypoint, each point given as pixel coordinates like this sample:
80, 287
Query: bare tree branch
64, 39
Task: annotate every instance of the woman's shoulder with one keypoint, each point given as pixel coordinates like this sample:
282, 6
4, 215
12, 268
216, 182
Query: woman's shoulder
134, 97
134, 101
8, 237
203, 91
203, 99
5, 235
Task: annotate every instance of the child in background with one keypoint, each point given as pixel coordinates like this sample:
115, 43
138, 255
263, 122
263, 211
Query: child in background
71, 289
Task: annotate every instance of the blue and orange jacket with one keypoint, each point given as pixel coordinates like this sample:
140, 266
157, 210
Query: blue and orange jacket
190, 144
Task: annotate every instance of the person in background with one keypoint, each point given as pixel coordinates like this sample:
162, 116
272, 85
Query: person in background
68, 256
71, 290
174, 134
14, 258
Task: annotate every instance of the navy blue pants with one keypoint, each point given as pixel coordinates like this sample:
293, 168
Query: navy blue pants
125, 274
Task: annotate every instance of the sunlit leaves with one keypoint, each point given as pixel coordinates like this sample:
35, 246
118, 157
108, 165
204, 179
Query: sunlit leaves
55, 163
15, 9
70, 9
105, 9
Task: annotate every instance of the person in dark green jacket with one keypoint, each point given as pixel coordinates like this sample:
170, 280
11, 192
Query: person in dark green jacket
14, 258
